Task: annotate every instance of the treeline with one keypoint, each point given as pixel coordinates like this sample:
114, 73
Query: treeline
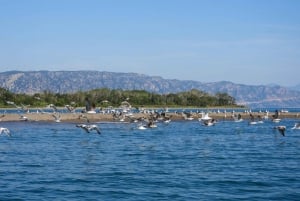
113, 97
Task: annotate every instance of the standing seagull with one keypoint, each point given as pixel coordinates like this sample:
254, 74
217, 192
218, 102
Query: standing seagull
5, 131
276, 117
23, 118
2, 115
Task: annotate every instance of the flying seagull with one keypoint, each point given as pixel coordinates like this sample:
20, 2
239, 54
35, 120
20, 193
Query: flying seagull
89, 128
296, 126
281, 129
4, 131
70, 108
57, 117
53, 107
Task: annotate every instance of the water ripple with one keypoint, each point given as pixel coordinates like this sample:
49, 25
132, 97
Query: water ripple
180, 161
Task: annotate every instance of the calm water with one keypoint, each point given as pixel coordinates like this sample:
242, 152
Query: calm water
179, 161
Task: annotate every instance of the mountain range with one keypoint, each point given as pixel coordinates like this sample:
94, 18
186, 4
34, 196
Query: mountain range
296, 88
31, 82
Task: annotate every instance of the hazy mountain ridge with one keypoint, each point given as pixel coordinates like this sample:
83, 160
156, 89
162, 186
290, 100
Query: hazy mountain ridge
295, 88
72, 81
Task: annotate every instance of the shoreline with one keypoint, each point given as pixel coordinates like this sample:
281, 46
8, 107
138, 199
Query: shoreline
100, 117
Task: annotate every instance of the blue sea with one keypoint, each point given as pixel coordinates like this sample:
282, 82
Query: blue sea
182, 160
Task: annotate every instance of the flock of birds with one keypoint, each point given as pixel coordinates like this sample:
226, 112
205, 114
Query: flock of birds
145, 123
55, 114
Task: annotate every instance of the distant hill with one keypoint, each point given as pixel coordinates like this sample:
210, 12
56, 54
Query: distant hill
31, 82
295, 88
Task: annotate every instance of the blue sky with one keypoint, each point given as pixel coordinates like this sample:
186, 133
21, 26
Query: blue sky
244, 41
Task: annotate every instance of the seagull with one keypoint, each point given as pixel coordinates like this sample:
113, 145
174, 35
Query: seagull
82, 116
142, 127
281, 129
5, 131
150, 124
25, 108
266, 115
57, 117
132, 119
205, 117
2, 115
276, 117
296, 126
70, 108
259, 119
89, 128
187, 116
53, 107
167, 120
23, 118
252, 120
14, 104
209, 122
237, 118
276, 120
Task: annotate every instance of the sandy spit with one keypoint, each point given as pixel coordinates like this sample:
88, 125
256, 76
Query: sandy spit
99, 117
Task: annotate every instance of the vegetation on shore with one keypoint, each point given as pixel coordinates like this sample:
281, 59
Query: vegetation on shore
114, 97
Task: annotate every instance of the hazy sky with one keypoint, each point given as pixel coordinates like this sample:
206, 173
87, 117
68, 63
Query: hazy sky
243, 41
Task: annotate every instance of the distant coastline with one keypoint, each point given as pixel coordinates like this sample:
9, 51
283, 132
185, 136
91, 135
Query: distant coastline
31, 82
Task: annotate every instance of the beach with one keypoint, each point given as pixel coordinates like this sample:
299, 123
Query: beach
100, 117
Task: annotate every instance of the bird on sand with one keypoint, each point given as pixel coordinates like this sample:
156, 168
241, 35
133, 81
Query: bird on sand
23, 118
2, 115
